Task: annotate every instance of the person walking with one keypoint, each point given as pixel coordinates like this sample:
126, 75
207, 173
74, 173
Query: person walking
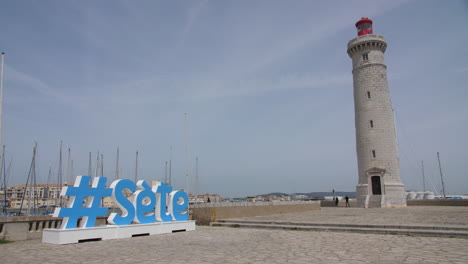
336, 201
347, 201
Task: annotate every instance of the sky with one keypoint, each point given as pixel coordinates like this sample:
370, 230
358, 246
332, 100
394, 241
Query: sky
266, 85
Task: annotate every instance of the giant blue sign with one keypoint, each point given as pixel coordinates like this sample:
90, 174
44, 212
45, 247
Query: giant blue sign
145, 204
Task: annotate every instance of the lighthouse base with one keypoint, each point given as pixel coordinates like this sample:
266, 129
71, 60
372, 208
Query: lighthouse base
392, 196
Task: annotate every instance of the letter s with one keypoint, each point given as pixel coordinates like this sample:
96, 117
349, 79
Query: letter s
119, 199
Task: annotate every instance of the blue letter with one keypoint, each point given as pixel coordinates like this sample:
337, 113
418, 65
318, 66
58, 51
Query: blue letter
143, 205
128, 211
91, 209
179, 209
162, 190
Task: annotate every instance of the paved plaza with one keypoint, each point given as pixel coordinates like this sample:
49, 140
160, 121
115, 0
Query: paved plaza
238, 245
414, 215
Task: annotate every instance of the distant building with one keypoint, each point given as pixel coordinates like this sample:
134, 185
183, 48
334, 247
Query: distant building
271, 198
208, 198
40, 195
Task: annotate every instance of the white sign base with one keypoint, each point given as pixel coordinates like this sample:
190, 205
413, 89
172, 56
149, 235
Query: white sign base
77, 235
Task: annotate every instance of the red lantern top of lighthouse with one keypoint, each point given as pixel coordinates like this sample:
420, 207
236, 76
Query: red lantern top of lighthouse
364, 26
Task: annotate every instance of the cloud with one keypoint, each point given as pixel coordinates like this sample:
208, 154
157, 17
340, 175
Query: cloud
29, 82
216, 89
192, 17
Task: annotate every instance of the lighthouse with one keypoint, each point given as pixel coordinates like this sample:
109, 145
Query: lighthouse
379, 183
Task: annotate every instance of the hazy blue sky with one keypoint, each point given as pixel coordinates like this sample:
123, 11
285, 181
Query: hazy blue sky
267, 86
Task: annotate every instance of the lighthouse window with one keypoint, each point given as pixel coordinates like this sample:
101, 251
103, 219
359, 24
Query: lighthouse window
373, 154
364, 26
368, 95
365, 57
371, 123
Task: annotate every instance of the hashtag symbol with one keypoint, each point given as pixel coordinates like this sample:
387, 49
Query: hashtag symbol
77, 207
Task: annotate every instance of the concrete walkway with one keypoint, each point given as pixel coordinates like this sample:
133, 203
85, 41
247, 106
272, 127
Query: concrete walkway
234, 245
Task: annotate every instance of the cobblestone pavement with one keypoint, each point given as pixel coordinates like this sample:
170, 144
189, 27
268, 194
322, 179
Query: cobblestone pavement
236, 245
414, 215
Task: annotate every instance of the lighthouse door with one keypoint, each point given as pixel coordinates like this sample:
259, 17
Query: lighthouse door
376, 188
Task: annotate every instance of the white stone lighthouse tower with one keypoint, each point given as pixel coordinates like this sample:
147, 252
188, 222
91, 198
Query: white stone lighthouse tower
376, 146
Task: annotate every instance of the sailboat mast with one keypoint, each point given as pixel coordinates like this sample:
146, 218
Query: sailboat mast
59, 174
424, 180
196, 178
34, 184
30, 181
441, 177
90, 171
96, 171
1, 106
136, 167
67, 170
4, 181
48, 188
186, 155
1, 96
117, 165
102, 165
165, 173
170, 166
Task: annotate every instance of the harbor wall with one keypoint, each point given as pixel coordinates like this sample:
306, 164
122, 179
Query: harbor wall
14, 228
432, 202
341, 203
210, 212
438, 202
